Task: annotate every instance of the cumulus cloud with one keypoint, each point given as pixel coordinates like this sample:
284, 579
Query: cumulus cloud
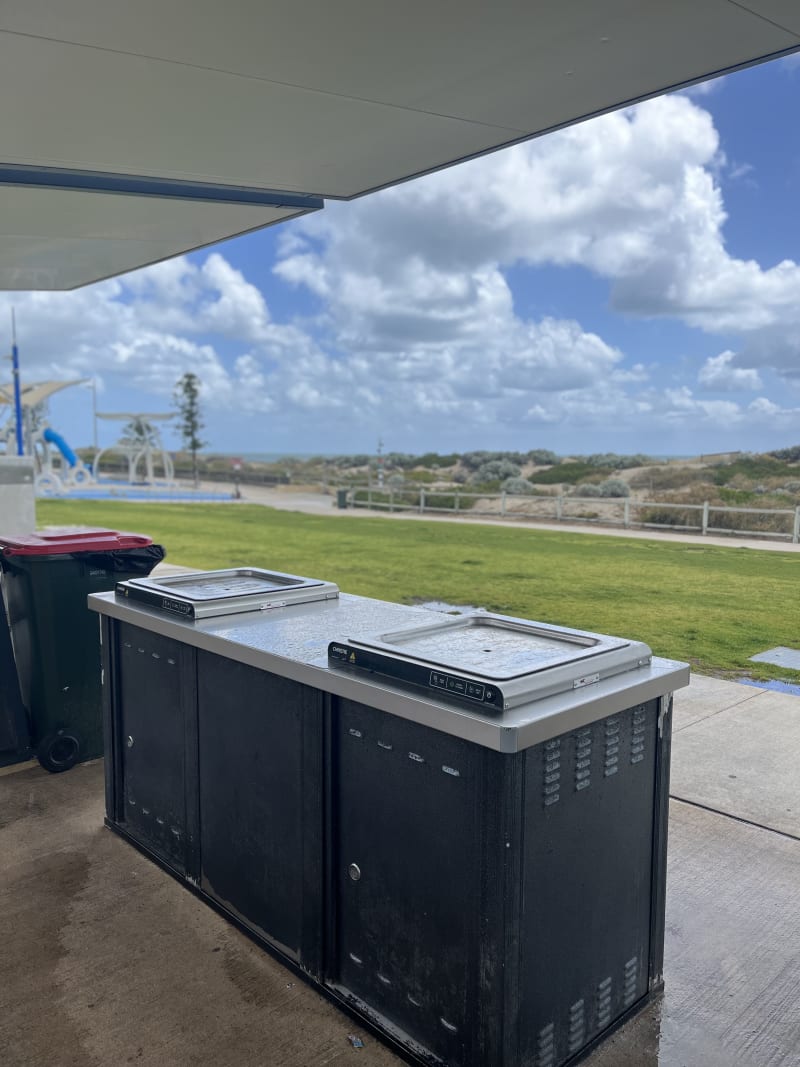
416, 325
720, 373
147, 329
633, 197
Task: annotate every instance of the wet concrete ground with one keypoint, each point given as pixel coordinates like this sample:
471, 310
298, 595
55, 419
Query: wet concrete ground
105, 960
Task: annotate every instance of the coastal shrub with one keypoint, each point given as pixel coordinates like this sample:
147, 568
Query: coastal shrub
496, 470
611, 487
519, 486
542, 457
614, 487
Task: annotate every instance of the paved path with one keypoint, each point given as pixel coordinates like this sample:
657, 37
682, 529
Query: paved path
315, 503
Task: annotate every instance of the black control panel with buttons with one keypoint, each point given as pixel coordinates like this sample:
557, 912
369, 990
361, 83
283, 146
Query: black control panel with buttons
448, 686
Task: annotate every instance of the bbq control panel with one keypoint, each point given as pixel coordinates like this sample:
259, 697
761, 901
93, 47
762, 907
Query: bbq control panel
398, 669
462, 687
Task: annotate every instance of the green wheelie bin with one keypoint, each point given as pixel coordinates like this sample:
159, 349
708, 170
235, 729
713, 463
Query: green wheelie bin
46, 578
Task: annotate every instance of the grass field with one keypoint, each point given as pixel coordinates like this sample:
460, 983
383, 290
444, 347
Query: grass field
713, 607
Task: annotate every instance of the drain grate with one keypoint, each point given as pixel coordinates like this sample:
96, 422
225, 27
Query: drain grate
780, 657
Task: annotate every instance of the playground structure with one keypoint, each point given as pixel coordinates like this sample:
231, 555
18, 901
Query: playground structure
57, 467
141, 445
58, 470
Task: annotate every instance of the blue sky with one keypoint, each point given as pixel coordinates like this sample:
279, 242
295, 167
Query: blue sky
629, 284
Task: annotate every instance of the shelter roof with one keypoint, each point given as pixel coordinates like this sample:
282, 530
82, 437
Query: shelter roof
133, 132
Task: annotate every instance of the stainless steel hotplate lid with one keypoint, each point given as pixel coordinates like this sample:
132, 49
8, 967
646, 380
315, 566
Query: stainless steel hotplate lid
490, 661
202, 594
233, 582
495, 647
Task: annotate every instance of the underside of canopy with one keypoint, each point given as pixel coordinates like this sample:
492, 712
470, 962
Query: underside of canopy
130, 133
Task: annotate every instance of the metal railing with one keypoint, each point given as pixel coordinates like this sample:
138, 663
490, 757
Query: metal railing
705, 518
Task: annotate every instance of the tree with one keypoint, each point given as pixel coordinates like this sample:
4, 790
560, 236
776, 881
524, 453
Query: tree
190, 422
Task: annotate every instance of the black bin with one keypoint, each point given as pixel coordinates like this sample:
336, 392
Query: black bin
46, 579
14, 735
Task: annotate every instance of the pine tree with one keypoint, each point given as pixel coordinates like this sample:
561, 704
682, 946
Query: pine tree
190, 422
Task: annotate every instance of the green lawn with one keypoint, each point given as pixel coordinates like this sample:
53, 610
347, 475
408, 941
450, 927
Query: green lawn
712, 606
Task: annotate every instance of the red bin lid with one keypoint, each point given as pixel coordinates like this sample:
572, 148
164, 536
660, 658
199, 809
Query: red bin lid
59, 541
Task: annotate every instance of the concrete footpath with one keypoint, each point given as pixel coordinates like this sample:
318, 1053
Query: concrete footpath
105, 960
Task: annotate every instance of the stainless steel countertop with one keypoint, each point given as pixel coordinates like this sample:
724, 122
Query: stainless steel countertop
293, 642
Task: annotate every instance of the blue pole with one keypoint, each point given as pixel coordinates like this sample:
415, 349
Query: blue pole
17, 396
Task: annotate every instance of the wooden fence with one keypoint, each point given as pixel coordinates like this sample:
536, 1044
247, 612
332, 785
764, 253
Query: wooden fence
705, 518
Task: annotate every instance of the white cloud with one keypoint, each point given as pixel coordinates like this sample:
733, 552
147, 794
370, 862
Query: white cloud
417, 327
632, 196
146, 330
720, 373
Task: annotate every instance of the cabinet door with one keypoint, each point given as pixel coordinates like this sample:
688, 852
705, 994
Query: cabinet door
260, 739
154, 686
407, 875
587, 881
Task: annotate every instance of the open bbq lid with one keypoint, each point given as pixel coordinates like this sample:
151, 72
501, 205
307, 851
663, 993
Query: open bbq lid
200, 594
494, 661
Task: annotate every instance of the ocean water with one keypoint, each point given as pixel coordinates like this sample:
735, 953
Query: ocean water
274, 457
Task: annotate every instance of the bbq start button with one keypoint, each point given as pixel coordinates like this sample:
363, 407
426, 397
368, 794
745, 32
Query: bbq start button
459, 686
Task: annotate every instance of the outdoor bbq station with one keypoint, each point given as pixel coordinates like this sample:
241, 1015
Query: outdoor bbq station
454, 826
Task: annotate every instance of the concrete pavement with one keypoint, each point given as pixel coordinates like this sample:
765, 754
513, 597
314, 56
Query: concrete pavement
105, 960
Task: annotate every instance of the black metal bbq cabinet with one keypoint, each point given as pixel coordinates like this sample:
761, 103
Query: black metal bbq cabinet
480, 884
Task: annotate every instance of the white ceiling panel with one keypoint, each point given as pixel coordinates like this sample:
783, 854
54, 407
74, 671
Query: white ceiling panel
56, 239
101, 111
441, 56
333, 99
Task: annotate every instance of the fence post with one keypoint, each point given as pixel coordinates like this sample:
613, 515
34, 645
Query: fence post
369, 497
626, 514
705, 517
456, 503
391, 498
422, 501
559, 507
796, 530
503, 504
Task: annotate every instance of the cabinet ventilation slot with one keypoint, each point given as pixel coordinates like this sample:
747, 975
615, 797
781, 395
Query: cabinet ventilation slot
545, 1047
611, 755
629, 981
583, 759
638, 729
552, 772
604, 1003
577, 1027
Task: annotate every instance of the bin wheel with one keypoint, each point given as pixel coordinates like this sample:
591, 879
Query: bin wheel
59, 751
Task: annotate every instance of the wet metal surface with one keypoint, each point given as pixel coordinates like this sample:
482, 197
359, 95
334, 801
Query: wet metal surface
447, 609
225, 592
485, 645
293, 642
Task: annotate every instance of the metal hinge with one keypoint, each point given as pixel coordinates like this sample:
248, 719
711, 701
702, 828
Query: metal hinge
665, 706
